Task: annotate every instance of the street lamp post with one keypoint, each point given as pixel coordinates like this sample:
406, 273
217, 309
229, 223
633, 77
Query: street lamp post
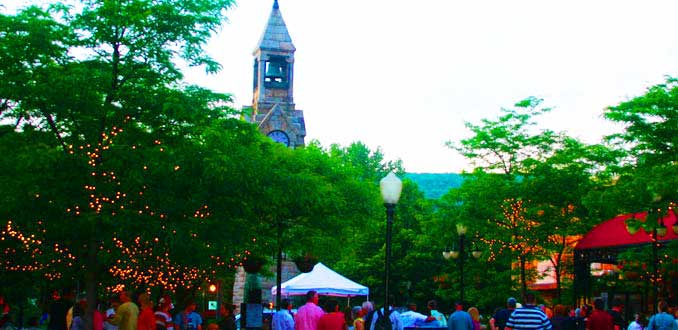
657, 230
278, 268
390, 187
461, 255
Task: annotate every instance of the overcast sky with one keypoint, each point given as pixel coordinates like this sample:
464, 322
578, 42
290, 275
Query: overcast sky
404, 76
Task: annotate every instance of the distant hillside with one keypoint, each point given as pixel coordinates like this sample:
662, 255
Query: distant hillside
434, 185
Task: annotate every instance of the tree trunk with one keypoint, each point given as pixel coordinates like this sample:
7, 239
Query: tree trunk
523, 276
91, 269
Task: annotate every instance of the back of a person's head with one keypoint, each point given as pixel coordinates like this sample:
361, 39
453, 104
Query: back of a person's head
459, 305
560, 310
511, 302
530, 298
599, 304
368, 306
310, 294
331, 306
432, 304
662, 306
145, 300
616, 302
285, 303
475, 313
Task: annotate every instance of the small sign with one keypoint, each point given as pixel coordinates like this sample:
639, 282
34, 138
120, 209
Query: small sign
212, 305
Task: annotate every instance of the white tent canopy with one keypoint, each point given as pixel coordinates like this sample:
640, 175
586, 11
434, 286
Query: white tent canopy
323, 280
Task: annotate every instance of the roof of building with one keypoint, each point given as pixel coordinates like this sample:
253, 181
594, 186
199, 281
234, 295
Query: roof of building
613, 232
276, 36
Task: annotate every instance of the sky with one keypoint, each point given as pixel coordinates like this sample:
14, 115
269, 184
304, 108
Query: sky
404, 76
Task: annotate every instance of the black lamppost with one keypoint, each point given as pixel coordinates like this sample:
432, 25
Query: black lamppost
461, 231
390, 187
278, 268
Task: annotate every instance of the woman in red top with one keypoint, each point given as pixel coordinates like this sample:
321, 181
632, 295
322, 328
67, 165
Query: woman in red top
333, 319
146, 319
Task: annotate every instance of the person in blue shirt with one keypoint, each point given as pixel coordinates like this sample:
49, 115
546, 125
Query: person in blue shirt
282, 319
460, 319
662, 320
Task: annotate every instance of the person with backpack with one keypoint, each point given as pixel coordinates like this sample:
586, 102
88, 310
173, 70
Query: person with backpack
386, 320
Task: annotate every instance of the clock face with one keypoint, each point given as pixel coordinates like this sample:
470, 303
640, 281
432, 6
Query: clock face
280, 136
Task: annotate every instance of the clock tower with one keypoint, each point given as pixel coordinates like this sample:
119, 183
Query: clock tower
272, 108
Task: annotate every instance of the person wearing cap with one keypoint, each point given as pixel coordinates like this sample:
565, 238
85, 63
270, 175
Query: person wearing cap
502, 316
163, 318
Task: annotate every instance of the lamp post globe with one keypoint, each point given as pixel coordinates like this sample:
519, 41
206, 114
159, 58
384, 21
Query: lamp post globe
461, 255
391, 187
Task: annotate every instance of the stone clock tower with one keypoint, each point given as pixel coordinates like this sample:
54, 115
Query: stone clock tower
272, 106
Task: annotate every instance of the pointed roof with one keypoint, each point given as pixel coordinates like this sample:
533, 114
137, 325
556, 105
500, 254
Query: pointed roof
323, 280
276, 36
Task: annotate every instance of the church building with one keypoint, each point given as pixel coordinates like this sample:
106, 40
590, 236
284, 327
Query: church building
272, 106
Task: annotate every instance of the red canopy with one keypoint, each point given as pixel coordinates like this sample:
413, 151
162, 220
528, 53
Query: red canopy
613, 232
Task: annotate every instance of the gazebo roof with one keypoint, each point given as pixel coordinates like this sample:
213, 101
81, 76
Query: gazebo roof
613, 232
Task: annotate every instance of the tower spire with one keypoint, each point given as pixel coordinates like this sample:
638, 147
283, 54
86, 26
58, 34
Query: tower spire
275, 4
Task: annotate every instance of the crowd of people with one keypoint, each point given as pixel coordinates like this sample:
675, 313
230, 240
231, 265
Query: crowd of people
127, 311
514, 316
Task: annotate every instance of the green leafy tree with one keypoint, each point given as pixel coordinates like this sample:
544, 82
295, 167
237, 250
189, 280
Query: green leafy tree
647, 178
510, 147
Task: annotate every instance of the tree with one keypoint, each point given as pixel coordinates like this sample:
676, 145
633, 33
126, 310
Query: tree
647, 178
522, 200
120, 123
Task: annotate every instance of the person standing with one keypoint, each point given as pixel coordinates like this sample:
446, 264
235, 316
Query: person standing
475, 317
662, 320
502, 316
227, 321
333, 319
282, 319
163, 319
146, 319
393, 316
188, 319
617, 315
308, 315
528, 316
599, 318
127, 314
58, 310
460, 319
110, 313
636, 324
